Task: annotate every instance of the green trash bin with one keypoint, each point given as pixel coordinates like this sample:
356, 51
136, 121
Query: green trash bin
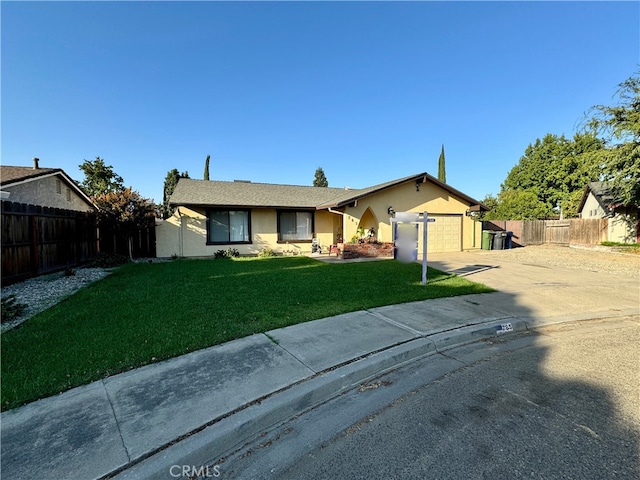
487, 239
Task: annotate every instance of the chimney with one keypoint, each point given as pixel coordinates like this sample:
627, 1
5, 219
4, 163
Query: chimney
35, 163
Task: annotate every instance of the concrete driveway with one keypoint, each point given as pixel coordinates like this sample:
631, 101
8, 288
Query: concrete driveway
543, 284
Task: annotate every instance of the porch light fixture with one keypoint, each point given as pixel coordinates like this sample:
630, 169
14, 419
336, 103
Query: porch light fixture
391, 211
417, 186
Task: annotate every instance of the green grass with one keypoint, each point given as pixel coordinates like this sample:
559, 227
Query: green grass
143, 313
620, 244
624, 247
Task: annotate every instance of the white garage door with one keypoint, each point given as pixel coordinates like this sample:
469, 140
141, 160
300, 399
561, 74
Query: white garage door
445, 234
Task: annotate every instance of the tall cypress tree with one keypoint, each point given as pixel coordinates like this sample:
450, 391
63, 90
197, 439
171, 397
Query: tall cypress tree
206, 168
320, 179
442, 175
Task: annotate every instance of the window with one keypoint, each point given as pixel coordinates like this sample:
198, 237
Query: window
295, 226
228, 226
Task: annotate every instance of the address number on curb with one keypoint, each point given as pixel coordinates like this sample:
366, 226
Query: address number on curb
504, 328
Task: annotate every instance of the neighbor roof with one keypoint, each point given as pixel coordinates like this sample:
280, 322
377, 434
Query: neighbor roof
602, 193
10, 175
248, 194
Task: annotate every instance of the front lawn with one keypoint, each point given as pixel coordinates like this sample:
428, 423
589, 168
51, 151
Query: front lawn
144, 313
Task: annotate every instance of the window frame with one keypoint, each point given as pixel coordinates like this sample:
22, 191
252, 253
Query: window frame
228, 210
313, 225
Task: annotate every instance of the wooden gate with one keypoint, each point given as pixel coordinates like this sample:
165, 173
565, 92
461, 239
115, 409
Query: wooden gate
557, 231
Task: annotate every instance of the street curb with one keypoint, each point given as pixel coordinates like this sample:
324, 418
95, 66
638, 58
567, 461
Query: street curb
210, 445
230, 433
475, 333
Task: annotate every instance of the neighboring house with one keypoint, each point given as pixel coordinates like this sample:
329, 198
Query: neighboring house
623, 221
47, 187
215, 215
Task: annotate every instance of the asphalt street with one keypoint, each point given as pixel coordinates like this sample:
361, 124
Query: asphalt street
560, 402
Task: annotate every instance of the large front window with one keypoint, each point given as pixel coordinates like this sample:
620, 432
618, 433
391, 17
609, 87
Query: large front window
228, 226
295, 226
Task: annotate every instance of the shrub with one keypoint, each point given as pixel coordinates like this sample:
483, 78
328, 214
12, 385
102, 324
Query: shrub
107, 260
220, 254
266, 252
232, 253
11, 308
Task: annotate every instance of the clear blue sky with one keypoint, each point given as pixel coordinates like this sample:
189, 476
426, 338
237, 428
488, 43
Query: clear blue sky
368, 91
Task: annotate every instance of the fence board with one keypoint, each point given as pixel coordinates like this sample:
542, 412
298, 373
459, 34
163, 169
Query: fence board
557, 232
588, 231
37, 240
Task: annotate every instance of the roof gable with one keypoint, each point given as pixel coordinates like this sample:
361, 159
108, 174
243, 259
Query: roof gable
419, 179
11, 175
601, 192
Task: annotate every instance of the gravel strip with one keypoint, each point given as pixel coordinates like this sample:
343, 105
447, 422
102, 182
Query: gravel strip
42, 292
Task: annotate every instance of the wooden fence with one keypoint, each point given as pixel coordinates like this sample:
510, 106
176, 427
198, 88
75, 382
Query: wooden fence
38, 240
557, 232
144, 241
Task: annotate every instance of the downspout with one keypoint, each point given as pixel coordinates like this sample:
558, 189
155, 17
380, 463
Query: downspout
473, 244
180, 240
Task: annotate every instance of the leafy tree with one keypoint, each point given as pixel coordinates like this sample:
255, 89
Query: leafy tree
206, 168
320, 179
99, 178
519, 205
442, 174
170, 182
555, 170
619, 127
490, 201
125, 211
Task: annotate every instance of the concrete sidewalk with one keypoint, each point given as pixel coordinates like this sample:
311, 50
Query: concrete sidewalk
194, 409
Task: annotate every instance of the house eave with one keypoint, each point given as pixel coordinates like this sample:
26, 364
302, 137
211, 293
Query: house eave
209, 206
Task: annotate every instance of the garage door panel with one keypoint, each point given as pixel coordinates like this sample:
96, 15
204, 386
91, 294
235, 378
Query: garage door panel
445, 234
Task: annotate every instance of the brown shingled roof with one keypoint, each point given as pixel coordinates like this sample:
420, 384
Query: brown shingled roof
247, 194
9, 174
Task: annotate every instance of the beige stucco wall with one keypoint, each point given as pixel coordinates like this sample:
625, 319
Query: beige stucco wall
185, 234
622, 225
405, 198
592, 208
44, 191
